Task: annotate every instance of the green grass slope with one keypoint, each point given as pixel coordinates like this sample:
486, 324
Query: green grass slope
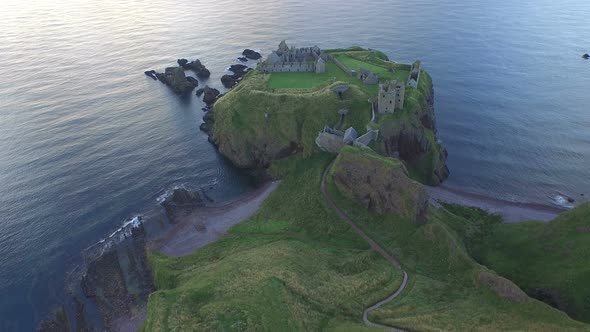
448, 290
294, 266
550, 261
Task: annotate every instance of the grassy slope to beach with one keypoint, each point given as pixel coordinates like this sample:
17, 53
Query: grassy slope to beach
548, 260
296, 266
293, 266
446, 291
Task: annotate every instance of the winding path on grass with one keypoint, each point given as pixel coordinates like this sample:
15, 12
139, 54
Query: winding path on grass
374, 245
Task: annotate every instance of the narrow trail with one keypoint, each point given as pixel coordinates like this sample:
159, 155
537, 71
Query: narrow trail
375, 246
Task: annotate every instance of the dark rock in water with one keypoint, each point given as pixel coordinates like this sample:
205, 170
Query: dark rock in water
151, 73
59, 323
197, 67
210, 95
586, 56
238, 68
243, 59
161, 77
570, 200
119, 280
181, 203
251, 54
192, 81
200, 91
182, 62
207, 125
175, 78
205, 109
229, 81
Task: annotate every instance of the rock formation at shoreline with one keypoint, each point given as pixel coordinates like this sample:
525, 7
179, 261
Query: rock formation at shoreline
239, 70
251, 54
175, 78
196, 66
181, 203
117, 280
120, 280
209, 94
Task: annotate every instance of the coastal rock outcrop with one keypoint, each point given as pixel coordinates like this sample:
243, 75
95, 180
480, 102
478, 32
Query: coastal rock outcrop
175, 78
251, 54
239, 70
181, 203
151, 74
196, 66
209, 94
381, 184
119, 280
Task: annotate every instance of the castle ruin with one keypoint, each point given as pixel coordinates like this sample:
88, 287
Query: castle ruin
391, 96
285, 59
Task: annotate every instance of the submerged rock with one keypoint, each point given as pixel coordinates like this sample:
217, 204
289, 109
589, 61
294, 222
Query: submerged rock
251, 54
181, 203
243, 59
586, 56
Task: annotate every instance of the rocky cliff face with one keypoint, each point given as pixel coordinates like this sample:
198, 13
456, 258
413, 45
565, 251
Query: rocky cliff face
414, 139
379, 183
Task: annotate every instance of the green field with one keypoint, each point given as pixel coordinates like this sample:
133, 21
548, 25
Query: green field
353, 60
382, 71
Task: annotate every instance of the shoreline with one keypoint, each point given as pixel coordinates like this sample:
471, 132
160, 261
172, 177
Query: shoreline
206, 224
511, 212
200, 227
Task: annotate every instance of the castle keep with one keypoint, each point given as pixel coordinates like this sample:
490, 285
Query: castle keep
391, 96
285, 59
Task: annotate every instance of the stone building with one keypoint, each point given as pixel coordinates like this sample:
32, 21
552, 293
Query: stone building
391, 96
367, 76
415, 74
285, 59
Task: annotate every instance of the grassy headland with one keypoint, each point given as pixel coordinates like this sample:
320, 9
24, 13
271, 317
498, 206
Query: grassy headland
270, 116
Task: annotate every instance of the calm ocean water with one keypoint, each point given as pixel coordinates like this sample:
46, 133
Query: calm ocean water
86, 140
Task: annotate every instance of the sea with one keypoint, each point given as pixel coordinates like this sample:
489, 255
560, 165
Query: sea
88, 142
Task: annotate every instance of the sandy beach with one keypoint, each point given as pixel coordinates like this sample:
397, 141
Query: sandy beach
207, 224
511, 211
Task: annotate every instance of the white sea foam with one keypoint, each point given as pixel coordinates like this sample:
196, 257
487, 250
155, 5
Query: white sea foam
562, 200
160, 199
118, 235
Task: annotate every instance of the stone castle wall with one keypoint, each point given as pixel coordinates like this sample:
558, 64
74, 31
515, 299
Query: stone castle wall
341, 66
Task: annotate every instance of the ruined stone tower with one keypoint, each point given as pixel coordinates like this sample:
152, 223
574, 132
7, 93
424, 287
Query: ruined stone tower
391, 96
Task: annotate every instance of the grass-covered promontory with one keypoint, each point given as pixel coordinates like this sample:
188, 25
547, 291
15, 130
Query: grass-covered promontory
271, 116
295, 266
550, 261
